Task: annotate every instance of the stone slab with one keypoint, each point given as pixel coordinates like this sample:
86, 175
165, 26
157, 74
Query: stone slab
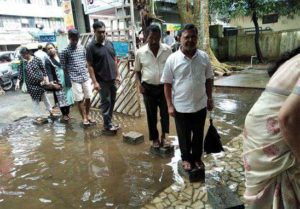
109, 133
162, 151
133, 137
222, 197
87, 125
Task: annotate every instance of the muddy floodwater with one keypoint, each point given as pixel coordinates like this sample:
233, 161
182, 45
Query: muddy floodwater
59, 165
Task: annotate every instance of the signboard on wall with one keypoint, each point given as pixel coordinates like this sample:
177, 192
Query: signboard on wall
68, 14
91, 6
121, 48
48, 38
173, 27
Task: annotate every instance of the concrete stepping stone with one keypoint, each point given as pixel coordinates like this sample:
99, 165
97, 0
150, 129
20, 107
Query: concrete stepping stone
221, 197
87, 125
133, 137
162, 151
108, 132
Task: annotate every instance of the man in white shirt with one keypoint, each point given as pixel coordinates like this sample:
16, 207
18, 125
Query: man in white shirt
41, 54
169, 40
149, 64
188, 80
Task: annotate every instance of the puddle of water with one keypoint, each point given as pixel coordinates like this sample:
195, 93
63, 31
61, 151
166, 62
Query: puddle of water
57, 163
64, 166
231, 108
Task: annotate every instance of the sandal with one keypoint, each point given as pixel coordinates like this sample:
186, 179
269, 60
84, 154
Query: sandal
186, 166
164, 144
65, 118
91, 121
199, 165
156, 144
85, 123
39, 119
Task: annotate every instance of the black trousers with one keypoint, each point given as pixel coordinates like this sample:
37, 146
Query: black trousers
154, 98
65, 110
190, 128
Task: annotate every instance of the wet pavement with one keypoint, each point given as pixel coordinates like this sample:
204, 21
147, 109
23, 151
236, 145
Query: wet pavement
248, 78
61, 165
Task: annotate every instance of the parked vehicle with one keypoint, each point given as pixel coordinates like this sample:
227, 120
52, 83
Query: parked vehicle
8, 80
6, 56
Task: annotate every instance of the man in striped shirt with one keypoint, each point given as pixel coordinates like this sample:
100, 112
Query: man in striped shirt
73, 61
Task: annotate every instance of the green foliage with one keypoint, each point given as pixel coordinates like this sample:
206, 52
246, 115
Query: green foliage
234, 8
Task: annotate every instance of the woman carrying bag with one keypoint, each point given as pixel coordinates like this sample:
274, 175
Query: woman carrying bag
34, 73
63, 95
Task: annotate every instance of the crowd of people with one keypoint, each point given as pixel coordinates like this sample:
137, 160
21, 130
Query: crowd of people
72, 75
176, 78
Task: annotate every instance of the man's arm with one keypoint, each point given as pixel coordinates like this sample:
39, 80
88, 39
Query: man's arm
209, 87
93, 77
118, 78
138, 73
168, 96
63, 60
209, 74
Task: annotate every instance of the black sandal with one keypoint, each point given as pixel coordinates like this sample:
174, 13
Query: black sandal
156, 144
199, 165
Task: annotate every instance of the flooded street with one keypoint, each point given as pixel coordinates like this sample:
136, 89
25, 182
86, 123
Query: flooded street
65, 166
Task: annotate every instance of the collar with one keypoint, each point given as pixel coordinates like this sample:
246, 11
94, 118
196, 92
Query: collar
72, 47
97, 43
162, 47
183, 55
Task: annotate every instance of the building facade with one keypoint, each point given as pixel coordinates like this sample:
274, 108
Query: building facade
22, 20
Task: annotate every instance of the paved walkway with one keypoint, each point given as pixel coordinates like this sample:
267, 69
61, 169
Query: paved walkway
224, 169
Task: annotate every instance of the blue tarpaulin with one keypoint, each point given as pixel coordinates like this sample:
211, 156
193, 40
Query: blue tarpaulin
121, 48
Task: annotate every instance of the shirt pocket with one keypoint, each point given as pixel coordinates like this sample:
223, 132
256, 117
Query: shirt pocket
182, 72
199, 72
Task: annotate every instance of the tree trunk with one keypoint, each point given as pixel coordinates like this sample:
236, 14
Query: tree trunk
199, 16
257, 47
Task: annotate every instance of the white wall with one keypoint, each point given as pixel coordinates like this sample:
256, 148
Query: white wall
283, 23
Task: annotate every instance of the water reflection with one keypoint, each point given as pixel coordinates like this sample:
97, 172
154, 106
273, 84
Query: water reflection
231, 107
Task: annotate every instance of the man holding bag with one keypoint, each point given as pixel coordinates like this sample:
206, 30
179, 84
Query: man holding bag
188, 82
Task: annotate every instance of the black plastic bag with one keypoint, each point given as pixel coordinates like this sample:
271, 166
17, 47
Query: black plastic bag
212, 141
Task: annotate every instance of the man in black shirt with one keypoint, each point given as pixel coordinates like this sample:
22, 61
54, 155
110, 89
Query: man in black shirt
101, 60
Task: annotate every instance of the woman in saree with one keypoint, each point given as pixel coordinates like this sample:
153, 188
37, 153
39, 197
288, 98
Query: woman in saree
33, 74
272, 140
57, 76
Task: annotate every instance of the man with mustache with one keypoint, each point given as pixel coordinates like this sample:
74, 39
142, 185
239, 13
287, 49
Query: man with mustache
188, 82
149, 64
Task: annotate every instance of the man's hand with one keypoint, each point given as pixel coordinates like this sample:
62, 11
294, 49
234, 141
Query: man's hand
118, 80
141, 88
96, 86
17, 86
171, 110
210, 104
